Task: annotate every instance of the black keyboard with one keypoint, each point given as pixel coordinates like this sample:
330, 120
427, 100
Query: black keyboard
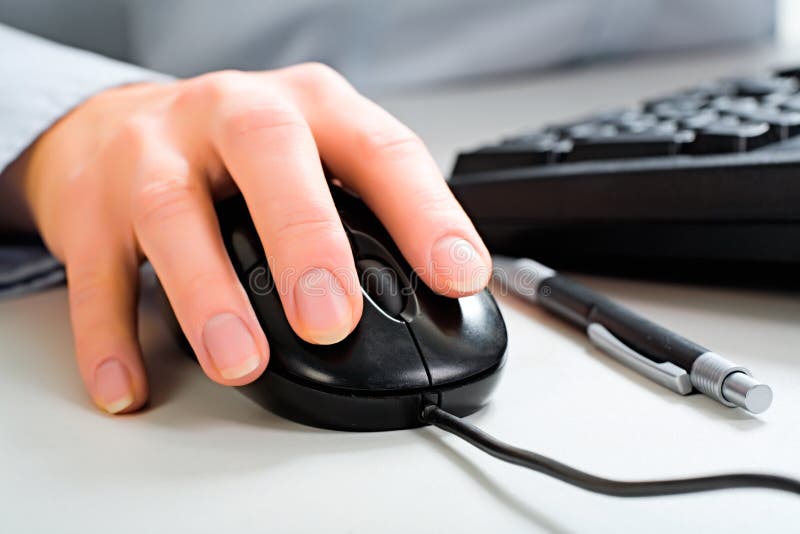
707, 178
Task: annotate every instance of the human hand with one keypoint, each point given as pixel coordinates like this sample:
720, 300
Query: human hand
133, 173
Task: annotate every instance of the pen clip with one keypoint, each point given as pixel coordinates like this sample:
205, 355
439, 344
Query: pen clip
667, 374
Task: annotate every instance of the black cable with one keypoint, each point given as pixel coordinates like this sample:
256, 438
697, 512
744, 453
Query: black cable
645, 488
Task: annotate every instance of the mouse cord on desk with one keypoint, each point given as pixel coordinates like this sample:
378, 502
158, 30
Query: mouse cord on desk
646, 488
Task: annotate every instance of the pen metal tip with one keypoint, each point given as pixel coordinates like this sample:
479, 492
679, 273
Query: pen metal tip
759, 398
744, 391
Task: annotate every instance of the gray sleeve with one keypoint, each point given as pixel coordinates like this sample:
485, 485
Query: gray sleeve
40, 81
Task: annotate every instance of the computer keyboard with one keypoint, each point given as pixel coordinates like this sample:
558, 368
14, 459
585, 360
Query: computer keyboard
706, 176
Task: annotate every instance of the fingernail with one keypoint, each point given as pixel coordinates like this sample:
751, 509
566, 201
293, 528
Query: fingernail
231, 346
323, 306
458, 266
112, 384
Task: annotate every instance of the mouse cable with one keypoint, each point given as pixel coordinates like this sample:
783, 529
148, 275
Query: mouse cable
646, 488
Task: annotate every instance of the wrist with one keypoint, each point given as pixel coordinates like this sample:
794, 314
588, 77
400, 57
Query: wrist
58, 150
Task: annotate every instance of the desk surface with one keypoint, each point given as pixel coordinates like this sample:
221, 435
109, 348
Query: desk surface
205, 459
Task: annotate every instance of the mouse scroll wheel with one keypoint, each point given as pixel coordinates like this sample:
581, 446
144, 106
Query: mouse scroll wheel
382, 285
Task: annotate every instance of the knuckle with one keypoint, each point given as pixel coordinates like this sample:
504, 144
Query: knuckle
196, 286
102, 322
162, 196
85, 286
318, 83
307, 225
76, 189
267, 116
88, 340
92, 294
208, 89
316, 74
434, 200
198, 282
93, 339
395, 142
132, 134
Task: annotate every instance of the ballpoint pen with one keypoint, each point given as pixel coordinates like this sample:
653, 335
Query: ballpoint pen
653, 351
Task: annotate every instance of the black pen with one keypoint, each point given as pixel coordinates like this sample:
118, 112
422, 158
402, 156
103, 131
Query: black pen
653, 351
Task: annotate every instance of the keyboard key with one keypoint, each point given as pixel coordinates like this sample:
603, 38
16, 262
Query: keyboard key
505, 156
561, 149
633, 117
728, 104
638, 127
626, 145
729, 120
615, 116
666, 127
791, 104
760, 87
605, 123
790, 72
563, 128
670, 112
692, 99
591, 130
776, 99
702, 119
783, 124
722, 137
535, 139
645, 122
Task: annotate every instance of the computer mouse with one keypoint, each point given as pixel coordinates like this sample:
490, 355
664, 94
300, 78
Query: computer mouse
412, 347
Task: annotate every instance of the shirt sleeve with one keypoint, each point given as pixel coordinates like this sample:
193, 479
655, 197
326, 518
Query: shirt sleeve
40, 81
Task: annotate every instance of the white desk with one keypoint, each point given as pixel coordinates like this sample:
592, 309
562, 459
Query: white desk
203, 458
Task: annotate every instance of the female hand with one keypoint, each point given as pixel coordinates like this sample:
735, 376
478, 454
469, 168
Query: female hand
133, 173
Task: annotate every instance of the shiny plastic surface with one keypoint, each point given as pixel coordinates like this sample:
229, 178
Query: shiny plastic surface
408, 347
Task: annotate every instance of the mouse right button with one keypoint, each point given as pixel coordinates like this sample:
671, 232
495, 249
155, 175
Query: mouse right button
459, 339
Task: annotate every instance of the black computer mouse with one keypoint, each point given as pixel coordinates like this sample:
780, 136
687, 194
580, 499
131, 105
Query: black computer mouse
410, 347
